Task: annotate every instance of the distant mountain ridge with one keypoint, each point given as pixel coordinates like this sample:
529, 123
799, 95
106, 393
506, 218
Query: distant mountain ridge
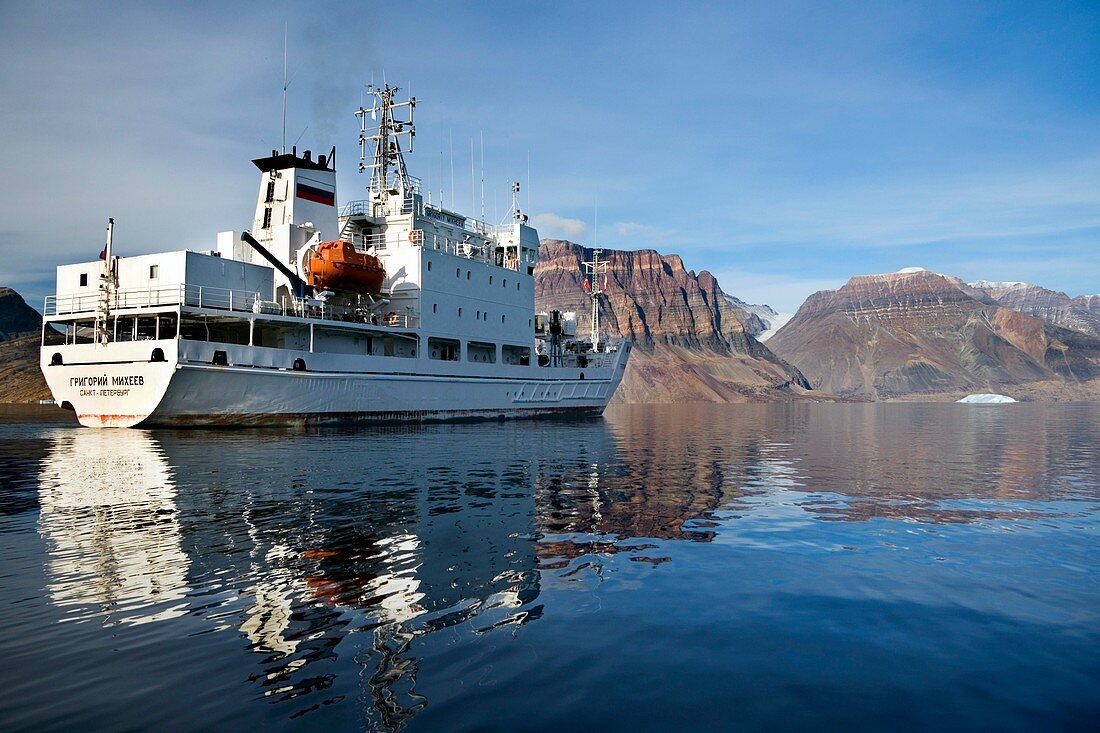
695, 342
1081, 313
918, 332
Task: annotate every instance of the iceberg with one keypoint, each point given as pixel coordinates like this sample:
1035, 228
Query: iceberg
986, 399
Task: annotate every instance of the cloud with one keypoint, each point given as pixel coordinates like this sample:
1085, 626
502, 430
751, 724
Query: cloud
552, 226
630, 229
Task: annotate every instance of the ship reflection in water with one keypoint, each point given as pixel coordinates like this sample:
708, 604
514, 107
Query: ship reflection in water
764, 566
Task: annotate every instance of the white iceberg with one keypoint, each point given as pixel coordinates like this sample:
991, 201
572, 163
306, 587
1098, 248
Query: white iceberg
986, 399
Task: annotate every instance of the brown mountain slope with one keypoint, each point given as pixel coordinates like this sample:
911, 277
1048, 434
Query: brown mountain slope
20, 377
693, 344
885, 336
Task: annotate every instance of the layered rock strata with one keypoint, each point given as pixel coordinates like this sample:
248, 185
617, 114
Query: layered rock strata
916, 332
693, 342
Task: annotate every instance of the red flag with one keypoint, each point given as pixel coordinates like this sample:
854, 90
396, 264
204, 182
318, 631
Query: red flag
587, 287
103, 254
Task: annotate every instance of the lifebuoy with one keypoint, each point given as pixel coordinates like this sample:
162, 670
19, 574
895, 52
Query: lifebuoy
416, 236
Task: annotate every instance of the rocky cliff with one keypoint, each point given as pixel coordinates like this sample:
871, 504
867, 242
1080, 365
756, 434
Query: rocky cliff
1080, 314
694, 344
20, 377
916, 332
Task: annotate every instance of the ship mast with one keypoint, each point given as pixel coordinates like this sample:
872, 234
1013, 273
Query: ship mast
593, 286
106, 288
388, 173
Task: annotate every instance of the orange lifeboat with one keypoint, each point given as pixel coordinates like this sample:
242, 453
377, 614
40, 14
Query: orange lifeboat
339, 266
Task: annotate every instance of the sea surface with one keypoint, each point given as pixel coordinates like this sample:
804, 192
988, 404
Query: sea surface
897, 567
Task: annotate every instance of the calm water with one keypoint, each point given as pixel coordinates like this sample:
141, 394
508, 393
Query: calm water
749, 567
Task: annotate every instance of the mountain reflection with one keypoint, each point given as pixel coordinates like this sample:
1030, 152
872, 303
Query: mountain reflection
332, 558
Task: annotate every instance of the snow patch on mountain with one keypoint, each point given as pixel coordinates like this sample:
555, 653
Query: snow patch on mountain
991, 285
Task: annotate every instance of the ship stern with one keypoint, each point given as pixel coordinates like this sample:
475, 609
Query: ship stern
116, 385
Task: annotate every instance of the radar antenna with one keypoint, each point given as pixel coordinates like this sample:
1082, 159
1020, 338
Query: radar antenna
594, 285
388, 173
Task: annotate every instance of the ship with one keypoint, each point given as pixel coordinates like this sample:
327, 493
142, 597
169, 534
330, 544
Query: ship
386, 309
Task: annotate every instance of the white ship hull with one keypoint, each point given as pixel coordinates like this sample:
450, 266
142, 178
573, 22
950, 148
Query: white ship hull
106, 386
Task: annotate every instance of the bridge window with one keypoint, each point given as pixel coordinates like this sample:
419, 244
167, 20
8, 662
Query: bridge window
83, 279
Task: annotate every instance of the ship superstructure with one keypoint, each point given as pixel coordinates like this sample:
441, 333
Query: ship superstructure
387, 308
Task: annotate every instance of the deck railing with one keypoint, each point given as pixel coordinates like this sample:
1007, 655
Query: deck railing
200, 296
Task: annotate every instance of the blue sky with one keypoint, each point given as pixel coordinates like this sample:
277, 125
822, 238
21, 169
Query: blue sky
785, 146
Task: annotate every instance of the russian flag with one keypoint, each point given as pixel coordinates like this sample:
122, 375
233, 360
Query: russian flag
317, 195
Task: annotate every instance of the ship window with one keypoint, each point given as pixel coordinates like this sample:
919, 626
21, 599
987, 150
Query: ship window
516, 355
267, 218
517, 286
83, 279
154, 271
478, 316
433, 307
145, 329
502, 319
467, 274
443, 349
485, 353
460, 312
270, 191
490, 279
505, 284
429, 265
458, 272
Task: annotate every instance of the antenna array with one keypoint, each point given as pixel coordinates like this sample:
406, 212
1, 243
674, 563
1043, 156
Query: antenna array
388, 171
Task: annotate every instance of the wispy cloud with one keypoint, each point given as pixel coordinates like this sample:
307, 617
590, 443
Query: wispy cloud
552, 226
627, 229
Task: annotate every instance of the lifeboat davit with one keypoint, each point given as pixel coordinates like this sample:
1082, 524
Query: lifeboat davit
339, 266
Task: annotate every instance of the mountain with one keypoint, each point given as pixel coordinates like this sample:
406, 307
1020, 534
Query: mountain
694, 343
767, 321
1081, 313
917, 332
20, 328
